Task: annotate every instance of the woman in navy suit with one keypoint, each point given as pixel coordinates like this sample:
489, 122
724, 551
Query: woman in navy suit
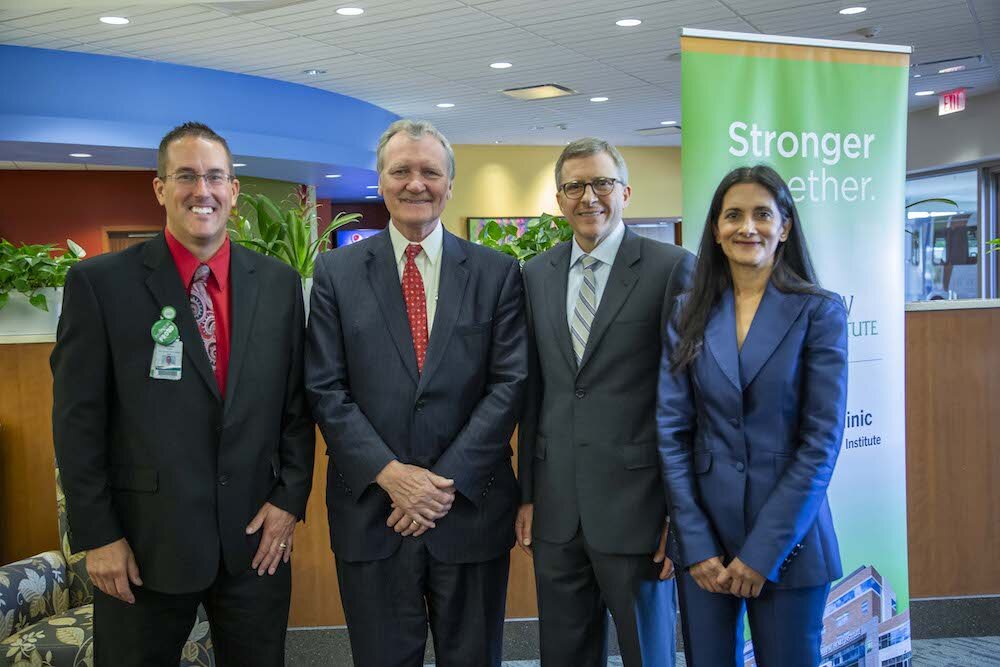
752, 396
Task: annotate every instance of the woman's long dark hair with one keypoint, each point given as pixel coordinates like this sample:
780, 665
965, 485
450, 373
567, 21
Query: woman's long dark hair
792, 270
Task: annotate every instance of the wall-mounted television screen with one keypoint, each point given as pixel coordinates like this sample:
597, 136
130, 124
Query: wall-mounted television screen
349, 236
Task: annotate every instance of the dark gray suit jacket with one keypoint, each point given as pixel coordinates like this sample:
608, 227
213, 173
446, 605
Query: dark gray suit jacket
455, 418
173, 466
587, 442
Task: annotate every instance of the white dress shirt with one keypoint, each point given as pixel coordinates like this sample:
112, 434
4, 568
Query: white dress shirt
428, 264
606, 251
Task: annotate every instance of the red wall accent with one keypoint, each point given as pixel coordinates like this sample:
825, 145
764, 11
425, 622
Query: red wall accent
51, 206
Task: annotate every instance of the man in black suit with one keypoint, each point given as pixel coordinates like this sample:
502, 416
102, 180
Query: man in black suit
415, 370
593, 510
181, 425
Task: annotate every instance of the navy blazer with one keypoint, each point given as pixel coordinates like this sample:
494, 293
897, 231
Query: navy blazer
454, 418
749, 437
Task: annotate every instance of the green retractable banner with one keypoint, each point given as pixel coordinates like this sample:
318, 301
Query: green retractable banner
830, 117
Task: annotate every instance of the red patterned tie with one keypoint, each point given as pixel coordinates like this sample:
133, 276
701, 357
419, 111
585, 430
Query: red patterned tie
416, 303
203, 310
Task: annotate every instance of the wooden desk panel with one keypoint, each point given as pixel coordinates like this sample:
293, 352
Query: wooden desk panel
953, 452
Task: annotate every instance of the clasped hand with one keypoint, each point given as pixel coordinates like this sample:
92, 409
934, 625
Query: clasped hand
419, 497
737, 578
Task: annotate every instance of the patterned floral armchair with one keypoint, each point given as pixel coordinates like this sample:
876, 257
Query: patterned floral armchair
47, 611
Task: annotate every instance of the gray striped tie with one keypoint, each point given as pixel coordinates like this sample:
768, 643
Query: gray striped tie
585, 308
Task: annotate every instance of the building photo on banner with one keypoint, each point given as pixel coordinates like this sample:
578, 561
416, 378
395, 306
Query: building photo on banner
828, 474
831, 119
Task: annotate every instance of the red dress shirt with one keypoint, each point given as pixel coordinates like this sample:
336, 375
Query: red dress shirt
217, 287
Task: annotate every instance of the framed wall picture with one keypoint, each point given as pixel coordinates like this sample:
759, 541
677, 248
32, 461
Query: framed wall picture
476, 225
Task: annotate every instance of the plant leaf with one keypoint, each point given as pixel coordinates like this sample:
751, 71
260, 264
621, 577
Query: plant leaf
38, 301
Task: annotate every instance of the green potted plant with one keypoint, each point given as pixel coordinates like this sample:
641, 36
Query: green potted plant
283, 230
31, 278
539, 235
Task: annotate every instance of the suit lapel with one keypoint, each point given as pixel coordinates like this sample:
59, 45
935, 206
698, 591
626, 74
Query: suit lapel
451, 291
775, 315
164, 283
384, 279
558, 278
621, 280
720, 337
243, 305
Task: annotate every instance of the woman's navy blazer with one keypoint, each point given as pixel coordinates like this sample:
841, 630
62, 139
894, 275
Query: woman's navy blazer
749, 437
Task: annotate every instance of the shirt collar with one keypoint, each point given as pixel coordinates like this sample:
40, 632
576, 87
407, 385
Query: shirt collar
431, 244
187, 263
606, 250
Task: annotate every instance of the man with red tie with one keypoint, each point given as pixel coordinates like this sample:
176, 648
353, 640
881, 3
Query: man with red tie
415, 367
181, 426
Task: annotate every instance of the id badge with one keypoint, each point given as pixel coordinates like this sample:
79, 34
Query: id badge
166, 364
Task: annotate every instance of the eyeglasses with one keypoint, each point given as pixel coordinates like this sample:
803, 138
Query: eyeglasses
213, 179
600, 186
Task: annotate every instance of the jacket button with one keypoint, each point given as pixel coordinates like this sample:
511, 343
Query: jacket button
740, 467
420, 405
735, 421
223, 479
580, 393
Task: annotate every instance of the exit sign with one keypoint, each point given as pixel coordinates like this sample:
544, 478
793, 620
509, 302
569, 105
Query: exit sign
952, 101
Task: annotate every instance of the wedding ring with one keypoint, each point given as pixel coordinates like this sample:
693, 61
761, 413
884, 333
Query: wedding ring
414, 524
282, 546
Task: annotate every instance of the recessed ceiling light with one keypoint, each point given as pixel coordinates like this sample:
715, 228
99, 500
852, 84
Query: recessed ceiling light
498, 141
114, 20
333, 175
668, 122
917, 76
628, 23
313, 72
500, 65
350, 11
923, 93
372, 187
598, 99
371, 196
851, 11
80, 155
239, 164
445, 105
949, 70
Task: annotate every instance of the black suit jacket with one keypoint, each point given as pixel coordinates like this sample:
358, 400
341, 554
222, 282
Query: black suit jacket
455, 418
170, 465
587, 443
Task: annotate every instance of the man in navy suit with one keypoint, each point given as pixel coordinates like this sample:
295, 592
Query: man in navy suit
416, 365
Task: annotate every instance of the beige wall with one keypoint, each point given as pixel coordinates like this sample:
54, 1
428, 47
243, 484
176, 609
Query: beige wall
967, 136
512, 181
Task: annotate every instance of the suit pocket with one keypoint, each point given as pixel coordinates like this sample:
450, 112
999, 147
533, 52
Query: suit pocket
781, 463
640, 455
702, 462
473, 329
134, 478
540, 448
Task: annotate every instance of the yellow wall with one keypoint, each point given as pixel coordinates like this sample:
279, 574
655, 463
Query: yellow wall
514, 181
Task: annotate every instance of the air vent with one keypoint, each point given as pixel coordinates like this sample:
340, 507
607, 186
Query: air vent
540, 92
933, 67
659, 131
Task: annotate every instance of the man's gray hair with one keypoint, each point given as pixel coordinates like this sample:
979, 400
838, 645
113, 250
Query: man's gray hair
591, 146
415, 129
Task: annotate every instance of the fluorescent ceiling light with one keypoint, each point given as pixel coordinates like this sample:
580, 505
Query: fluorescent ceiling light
949, 70
371, 196
851, 11
239, 164
923, 93
350, 11
372, 187
668, 122
628, 23
942, 214
444, 105
114, 20
598, 99
917, 215
333, 175
80, 155
314, 72
500, 65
